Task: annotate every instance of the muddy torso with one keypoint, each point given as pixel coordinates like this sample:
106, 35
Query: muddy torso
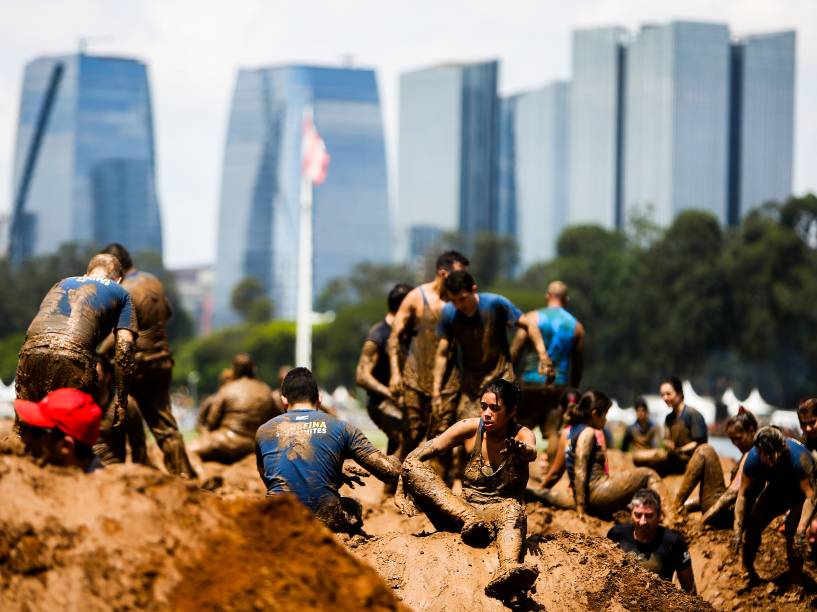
665, 555
596, 463
247, 405
794, 464
78, 312
418, 371
152, 313
482, 483
686, 427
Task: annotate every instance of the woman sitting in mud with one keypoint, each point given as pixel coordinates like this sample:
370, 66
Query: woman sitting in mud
717, 502
595, 490
499, 453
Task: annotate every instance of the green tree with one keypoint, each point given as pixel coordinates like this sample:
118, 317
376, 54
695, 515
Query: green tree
250, 301
368, 281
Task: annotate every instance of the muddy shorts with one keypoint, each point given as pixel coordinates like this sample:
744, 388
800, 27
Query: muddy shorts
222, 445
42, 370
420, 422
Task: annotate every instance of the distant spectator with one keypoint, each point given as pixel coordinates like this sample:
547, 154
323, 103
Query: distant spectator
643, 434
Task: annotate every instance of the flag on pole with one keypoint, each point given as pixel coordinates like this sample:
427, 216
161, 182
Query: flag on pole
315, 156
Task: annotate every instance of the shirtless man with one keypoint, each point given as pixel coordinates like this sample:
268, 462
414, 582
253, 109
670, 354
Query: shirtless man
154, 361
564, 340
373, 372
238, 409
75, 316
499, 454
412, 384
477, 324
684, 431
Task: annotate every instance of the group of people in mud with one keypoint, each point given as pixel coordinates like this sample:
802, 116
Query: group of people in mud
457, 379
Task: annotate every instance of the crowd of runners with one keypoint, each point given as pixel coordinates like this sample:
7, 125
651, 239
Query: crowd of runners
458, 380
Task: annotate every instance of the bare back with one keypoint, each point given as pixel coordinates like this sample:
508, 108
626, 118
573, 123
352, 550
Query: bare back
247, 404
152, 312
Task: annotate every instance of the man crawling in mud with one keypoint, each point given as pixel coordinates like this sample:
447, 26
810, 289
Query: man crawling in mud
302, 452
499, 453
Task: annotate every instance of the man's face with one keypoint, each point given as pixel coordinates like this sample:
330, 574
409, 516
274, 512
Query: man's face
641, 415
464, 301
645, 520
493, 412
670, 396
809, 425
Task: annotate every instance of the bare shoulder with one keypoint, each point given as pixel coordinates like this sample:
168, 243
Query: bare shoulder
579, 329
525, 435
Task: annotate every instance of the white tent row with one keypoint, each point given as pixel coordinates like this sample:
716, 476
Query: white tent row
754, 403
7, 396
658, 408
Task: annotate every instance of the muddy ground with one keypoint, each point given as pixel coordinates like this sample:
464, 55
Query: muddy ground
129, 537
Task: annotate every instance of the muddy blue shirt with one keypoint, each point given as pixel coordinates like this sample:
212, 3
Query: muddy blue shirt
558, 329
794, 465
302, 452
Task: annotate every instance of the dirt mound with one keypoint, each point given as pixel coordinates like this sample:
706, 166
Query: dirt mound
129, 537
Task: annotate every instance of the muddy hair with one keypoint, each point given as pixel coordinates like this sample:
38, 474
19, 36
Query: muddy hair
459, 281
646, 497
591, 402
446, 260
807, 408
121, 253
109, 263
769, 440
299, 386
744, 419
504, 390
675, 383
397, 295
568, 403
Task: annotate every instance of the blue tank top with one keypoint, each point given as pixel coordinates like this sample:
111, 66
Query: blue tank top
558, 329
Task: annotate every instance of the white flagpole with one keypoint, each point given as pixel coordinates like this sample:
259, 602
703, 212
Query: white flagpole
303, 334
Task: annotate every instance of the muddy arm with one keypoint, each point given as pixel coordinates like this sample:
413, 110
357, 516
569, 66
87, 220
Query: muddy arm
398, 328
729, 496
519, 339
365, 366
558, 467
687, 580
363, 452
577, 359
215, 412
440, 364
584, 448
808, 505
740, 505
123, 368
530, 323
452, 437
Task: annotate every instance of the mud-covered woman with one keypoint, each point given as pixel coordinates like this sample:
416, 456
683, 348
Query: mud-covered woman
499, 452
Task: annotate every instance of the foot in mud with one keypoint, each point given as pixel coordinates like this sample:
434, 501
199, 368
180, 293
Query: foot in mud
751, 581
514, 582
476, 533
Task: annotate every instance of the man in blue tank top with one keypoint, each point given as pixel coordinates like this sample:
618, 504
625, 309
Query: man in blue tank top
563, 336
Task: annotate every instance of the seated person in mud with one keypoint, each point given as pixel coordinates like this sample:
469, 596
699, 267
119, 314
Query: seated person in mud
61, 429
499, 452
234, 414
302, 452
656, 548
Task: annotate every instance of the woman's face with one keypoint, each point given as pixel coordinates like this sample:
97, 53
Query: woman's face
740, 437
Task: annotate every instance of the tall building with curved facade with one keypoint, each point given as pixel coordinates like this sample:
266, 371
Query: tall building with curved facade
260, 188
84, 167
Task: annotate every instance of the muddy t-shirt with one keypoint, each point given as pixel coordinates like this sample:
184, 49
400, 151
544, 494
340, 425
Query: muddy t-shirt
687, 427
665, 555
152, 312
83, 309
793, 466
302, 452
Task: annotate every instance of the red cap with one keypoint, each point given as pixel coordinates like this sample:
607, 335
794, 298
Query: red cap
70, 410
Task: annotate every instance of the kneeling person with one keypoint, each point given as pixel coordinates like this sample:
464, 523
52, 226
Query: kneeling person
499, 453
302, 452
656, 548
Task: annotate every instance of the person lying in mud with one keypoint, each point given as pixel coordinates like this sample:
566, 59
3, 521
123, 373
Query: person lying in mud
595, 490
302, 452
684, 430
239, 408
716, 500
74, 317
657, 549
374, 373
783, 471
643, 434
499, 453
113, 442
61, 429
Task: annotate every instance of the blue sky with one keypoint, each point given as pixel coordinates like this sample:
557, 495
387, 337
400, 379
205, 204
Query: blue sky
194, 48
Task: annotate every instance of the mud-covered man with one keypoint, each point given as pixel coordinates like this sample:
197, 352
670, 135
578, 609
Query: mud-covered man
234, 414
153, 361
782, 470
499, 453
374, 372
563, 336
302, 452
412, 381
477, 325
76, 315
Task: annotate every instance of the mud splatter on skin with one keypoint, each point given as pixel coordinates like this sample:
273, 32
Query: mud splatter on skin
152, 311
418, 370
705, 469
247, 404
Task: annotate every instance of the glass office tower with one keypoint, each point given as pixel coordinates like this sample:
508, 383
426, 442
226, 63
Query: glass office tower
762, 121
596, 112
677, 120
260, 189
84, 168
447, 151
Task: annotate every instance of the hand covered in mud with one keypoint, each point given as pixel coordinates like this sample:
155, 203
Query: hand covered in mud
352, 475
547, 370
515, 447
396, 386
120, 409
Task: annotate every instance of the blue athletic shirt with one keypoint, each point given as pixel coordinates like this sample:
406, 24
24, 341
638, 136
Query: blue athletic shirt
302, 452
790, 469
558, 329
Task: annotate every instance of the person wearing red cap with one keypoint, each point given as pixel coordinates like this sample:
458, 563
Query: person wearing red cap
61, 429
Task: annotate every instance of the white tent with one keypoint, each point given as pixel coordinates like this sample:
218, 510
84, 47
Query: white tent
622, 415
785, 419
757, 405
7, 396
704, 405
731, 401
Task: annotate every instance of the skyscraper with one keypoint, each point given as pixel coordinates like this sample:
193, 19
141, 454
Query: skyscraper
447, 150
596, 113
762, 121
540, 137
258, 218
677, 120
84, 157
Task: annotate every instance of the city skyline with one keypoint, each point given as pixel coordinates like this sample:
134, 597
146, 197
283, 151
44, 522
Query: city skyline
190, 129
